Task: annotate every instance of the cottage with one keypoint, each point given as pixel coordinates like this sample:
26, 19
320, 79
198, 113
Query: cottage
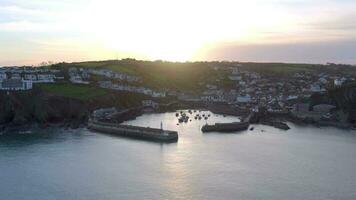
316, 88
150, 104
15, 76
15, 84
243, 99
3, 76
45, 78
31, 77
323, 108
301, 107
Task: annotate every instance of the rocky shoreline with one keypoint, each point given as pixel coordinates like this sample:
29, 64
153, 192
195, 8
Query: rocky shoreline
79, 120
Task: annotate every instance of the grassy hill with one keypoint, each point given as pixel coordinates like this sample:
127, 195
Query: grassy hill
187, 76
75, 91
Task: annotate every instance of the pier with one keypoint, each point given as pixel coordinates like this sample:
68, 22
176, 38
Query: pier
226, 127
143, 133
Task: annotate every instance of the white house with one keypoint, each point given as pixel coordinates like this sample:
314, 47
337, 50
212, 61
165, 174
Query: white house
3, 76
31, 77
150, 103
316, 88
45, 78
235, 78
77, 79
339, 82
15, 76
15, 84
243, 99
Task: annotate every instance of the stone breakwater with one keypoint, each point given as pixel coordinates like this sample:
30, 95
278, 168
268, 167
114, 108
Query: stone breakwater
143, 133
226, 127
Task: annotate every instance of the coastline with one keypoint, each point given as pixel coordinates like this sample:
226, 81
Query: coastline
277, 120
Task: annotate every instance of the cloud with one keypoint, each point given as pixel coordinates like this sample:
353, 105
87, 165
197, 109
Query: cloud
314, 52
17, 10
27, 26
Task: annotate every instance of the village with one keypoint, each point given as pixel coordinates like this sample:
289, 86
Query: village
252, 90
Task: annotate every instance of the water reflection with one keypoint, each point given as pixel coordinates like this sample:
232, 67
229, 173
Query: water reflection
302, 163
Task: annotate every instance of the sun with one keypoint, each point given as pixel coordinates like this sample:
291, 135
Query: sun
168, 30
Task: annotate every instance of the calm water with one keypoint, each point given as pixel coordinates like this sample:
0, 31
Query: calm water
302, 163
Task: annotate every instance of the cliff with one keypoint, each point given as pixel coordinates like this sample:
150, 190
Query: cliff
44, 107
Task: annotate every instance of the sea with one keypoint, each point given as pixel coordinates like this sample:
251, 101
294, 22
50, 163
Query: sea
265, 163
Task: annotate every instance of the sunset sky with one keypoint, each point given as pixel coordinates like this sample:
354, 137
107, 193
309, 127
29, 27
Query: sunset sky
307, 31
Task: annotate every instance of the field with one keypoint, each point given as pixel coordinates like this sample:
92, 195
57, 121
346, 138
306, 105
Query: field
81, 92
159, 74
280, 68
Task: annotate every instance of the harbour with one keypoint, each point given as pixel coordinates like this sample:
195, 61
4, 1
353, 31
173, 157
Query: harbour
263, 163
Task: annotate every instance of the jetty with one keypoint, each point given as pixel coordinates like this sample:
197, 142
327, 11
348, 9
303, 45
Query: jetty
226, 127
144, 133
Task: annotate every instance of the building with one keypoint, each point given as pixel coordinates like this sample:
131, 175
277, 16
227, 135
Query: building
243, 99
317, 88
150, 103
15, 76
15, 84
3, 76
45, 78
339, 82
77, 79
31, 77
301, 107
323, 108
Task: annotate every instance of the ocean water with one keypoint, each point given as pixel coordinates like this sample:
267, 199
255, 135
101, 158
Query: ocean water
266, 163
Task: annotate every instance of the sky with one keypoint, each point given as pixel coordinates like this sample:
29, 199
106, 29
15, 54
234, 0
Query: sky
303, 31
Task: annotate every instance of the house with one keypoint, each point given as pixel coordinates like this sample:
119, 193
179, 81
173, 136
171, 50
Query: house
235, 78
292, 97
15, 76
300, 107
158, 94
104, 113
77, 79
15, 84
3, 76
243, 99
339, 82
323, 108
150, 104
316, 88
45, 78
31, 77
